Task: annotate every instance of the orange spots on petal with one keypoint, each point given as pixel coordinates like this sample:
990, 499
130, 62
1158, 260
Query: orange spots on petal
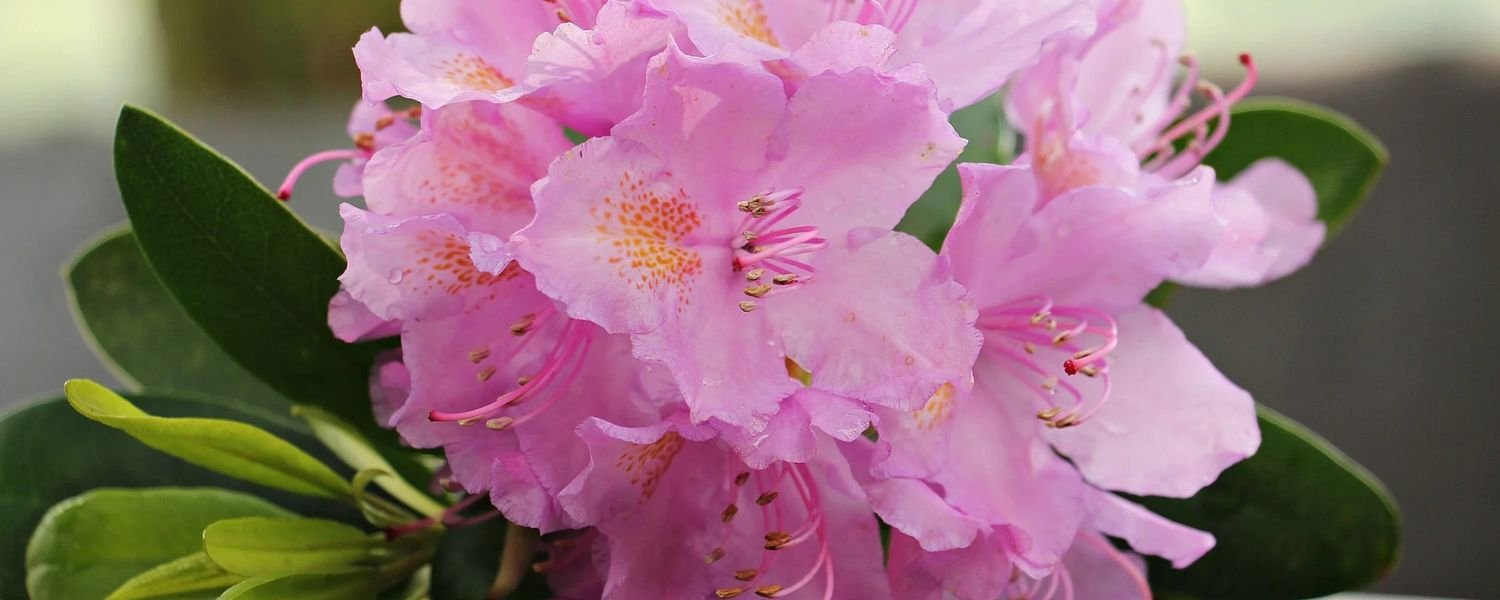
646, 227
646, 463
938, 410
451, 271
474, 72
748, 18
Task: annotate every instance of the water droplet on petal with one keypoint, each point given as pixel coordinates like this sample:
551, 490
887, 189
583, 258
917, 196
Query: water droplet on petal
396, 276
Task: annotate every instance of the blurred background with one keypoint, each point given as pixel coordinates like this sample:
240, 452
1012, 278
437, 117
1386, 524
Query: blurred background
1380, 345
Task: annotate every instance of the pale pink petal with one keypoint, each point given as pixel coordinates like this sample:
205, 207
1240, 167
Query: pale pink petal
474, 160
410, 268
863, 146
1271, 227
591, 79
1127, 73
1099, 247
767, 29
1172, 422
881, 321
971, 48
352, 321
390, 386
1147, 532
1100, 572
981, 570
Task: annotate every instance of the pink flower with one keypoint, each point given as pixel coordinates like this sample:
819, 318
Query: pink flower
372, 127
969, 47
1073, 362
581, 61
682, 516
1103, 110
731, 226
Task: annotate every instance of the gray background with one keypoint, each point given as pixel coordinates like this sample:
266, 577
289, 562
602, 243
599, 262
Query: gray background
1382, 345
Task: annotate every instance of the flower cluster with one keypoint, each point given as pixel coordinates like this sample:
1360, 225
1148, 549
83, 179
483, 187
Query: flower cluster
695, 354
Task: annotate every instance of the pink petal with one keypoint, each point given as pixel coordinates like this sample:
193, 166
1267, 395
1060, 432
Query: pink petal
352, 321
1100, 572
890, 343
474, 160
1271, 227
1146, 531
410, 268
1172, 422
767, 29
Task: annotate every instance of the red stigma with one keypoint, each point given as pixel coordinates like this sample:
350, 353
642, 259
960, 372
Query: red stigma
1245, 59
1069, 367
284, 195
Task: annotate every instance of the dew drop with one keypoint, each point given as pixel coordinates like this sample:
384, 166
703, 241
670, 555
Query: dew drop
396, 276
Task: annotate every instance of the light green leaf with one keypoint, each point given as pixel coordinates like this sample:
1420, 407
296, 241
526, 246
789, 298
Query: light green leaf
37, 471
178, 579
87, 546
1342, 160
1296, 520
268, 546
352, 448
233, 448
138, 329
245, 268
351, 585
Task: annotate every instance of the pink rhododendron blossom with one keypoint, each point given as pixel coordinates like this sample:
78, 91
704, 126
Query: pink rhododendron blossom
731, 225
372, 127
684, 517
969, 47
1104, 110
1074, 362
581, 61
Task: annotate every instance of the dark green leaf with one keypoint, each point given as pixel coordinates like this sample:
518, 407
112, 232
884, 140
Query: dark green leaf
468, 562
1297, 520
88, 545
1342, 160
192, 576
990, 141
138, 329
244, 267
50, 453
233, 448
269, 546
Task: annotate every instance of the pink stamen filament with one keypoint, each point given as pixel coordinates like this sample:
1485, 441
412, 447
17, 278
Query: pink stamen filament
1118, 558
1039, 326
824, 562
285, 191
1179, 102
1218, 109
557, 390
567, 347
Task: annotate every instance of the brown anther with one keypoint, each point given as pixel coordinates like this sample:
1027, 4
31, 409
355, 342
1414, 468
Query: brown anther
523, 380
500, 424
485, 374
1066, 422
1089, 370
729, 592
713, 556
742, 478
1049, 383
787, 279
365, 141
758, 212
729, 513
1030, 349
1082, 354
1051, 324
748, 205
414, 112
1039, 317
756, 291
1062, 338
469, 421
749, 236
1049, 414
767, 498
767, 591
522, 326
747, 306
776, 540
478, 355
563, 16
755, 274
746, 574
384, 122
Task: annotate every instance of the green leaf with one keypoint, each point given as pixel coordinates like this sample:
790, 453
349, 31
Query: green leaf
50, 453
269, 546
244, 267
178, 579
1342, 160
233, 448
467, 560
1296, 520
356, 451
138, 330
337, 586
88, 545
990, 141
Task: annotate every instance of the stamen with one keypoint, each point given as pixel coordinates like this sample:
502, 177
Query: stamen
714, 556
731, 592
747, 306
767, 591
523, 325
776, 540
756, 291
478, 355
287, 185
741, 478
767, 498
755, 275
746, 574
729, 513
